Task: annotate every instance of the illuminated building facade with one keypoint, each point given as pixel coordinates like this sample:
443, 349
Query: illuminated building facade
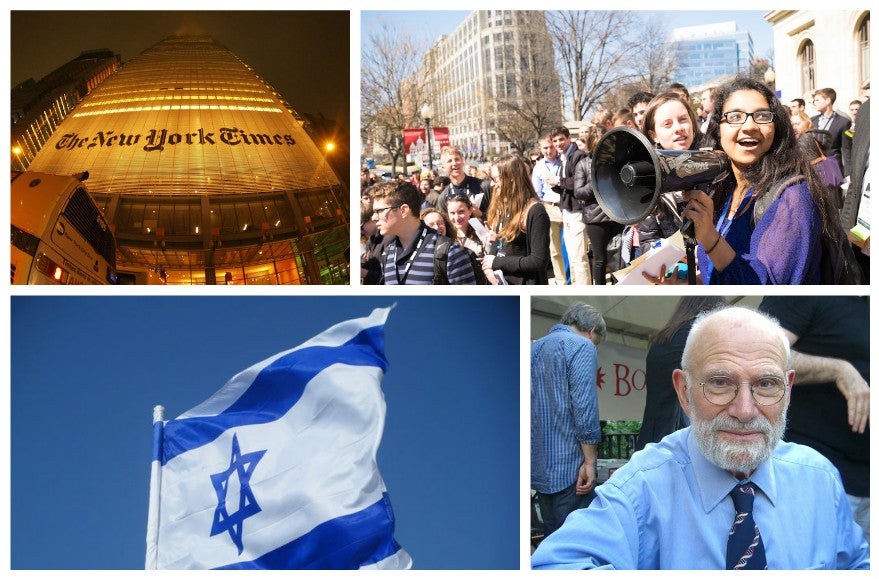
38, 107
204, 172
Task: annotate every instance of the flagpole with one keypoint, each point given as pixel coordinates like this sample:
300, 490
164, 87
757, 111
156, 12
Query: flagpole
152, 550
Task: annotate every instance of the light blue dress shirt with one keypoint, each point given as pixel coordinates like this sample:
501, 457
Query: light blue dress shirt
544, 167
669, 508
564, 407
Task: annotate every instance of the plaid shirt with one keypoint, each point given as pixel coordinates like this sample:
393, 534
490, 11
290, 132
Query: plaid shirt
564, 407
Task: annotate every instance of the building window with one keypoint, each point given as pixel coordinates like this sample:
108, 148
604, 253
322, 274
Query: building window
806, 59
864, 51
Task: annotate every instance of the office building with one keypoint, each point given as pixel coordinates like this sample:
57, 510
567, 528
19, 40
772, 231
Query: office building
819, 49
204, 172
476, 78
710, 52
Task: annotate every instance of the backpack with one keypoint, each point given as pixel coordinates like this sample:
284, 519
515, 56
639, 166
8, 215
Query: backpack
441, 259
839, 266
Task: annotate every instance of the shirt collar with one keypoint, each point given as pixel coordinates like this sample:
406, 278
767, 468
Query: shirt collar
411, 247
714, 483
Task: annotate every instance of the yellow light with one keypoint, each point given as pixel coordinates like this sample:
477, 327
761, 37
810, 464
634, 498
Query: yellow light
330, 147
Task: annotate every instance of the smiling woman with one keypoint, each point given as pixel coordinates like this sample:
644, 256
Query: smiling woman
771, 220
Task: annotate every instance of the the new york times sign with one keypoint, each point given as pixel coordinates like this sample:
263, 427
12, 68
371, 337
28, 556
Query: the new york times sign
159, 139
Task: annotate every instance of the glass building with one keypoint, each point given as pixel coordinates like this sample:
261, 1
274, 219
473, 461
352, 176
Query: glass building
38, 107
705, 53
204, 172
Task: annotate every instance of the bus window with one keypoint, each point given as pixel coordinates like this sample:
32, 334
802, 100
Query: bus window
59, 235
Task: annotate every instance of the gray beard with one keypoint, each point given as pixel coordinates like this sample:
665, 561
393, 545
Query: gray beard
733, 456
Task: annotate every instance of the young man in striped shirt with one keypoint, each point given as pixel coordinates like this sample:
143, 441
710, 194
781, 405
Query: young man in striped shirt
409, 257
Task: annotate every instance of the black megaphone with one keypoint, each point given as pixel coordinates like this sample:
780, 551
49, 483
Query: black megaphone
629, 175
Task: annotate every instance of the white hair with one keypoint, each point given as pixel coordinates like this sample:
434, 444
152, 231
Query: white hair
733, 316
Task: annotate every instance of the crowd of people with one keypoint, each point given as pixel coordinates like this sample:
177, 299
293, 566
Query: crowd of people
780, 214
772, 402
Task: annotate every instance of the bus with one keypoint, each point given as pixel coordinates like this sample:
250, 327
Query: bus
59, 235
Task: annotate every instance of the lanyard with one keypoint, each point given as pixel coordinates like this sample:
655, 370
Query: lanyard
824, 122
410, 260
724, 224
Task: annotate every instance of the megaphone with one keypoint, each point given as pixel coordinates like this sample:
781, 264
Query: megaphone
629, 175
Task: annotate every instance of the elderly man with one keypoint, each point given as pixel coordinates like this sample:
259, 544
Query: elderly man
726, 492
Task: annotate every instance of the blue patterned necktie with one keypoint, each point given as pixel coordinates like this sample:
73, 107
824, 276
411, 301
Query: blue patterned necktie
745, 547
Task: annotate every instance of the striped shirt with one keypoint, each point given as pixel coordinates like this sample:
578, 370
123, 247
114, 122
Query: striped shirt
414, 264
564, 407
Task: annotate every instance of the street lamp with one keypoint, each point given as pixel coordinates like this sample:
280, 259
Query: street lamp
426, 114
17, 150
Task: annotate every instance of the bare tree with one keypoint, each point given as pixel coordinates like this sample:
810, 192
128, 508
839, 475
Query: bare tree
528, 101
594, 53
389, 103
656, 55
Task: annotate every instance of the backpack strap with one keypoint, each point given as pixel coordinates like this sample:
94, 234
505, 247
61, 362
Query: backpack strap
441, 260
764, 201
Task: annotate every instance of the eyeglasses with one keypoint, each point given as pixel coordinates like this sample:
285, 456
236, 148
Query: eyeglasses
740, 117
721, 390
383, 210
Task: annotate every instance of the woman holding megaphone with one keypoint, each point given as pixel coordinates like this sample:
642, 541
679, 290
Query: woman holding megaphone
767, 220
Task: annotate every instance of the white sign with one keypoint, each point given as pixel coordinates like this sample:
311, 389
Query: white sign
621, 382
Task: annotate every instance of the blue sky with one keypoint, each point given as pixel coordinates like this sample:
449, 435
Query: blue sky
87, 371
429, 25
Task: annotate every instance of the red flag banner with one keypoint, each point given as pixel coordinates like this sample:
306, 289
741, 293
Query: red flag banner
415, 141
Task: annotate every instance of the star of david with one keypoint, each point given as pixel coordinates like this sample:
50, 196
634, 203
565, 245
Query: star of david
243, 466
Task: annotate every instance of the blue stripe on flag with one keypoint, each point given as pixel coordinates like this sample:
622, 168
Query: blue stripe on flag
282, 382
348, 542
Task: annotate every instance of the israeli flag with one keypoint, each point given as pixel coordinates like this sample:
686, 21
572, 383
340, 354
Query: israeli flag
278, 470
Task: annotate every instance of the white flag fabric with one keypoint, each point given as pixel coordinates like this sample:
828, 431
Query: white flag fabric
277, 470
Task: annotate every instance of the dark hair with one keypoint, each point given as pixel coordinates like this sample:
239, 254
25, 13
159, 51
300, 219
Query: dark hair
639, 97
781, 161
676, 86
800, 102
687, 309
399, 193
667, 97
560, 130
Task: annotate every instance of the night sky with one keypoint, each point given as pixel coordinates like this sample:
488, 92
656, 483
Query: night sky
304, 55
